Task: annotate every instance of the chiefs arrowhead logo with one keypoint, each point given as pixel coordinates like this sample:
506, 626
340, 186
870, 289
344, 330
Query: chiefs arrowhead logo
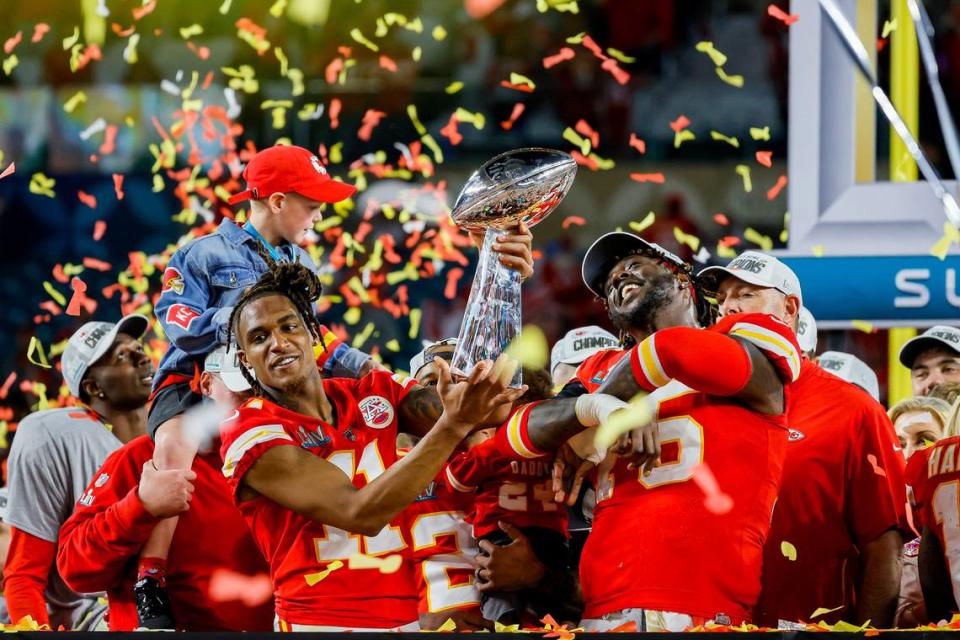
795, 435
172, 281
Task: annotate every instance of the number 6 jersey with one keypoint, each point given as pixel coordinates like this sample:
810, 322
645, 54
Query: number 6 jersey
303, 554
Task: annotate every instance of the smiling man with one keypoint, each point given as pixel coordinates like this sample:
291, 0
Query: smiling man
932, 357
55, 456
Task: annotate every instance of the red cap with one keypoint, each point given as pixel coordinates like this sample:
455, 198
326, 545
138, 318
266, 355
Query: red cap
282, 168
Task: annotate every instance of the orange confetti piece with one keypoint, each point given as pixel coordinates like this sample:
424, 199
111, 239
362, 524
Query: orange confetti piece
872, 459
453, 277
79, 289
118, 185
573, 220
518, 87
626, 627
98, 265
765, 158
637, 143
39, 30
5, 389
648, 177
721, 219
109, 140
87, 199
594, 48
729, 241
226, 585
776, 12
450, 131
140, 12
123, 33
201, 52
335, 106
610, 65
388, 64
775, 189
716, 502
333, 70
566, 53
370, 120
583, 128
9, 170
681, 123
589, 162
517, 111
12, 42
99, 228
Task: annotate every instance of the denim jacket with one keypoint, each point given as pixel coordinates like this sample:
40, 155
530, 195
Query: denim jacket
202, 282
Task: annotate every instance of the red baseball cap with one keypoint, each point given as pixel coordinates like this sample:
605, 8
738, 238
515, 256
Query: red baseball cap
283, 168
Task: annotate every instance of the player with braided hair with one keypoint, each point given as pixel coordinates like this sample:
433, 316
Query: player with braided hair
313, 465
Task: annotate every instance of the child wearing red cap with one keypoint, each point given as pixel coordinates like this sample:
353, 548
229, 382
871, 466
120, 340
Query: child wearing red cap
287, 187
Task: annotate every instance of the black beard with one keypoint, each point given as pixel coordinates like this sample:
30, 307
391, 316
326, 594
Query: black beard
643, 317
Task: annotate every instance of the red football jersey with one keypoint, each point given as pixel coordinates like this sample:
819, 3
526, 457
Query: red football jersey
654, 545
515, 491
441, 548
842, 487
934, 476
362, 445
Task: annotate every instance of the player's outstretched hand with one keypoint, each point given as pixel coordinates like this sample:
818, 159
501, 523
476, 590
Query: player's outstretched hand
569, 470
508, 568
640, 446
165, 493
515, 248
483, 393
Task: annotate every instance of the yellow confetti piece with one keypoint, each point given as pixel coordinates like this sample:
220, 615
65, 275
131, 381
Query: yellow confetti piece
415, 25
358, 36
454, 87
788, 550
449, 625
950, 236
688, 239
352, 315
725, 252
817, 250
225, 7
620, 55
758, 133
823, 611
636, 414
682, 136
336, 153
733, 81
431, 144
278, 8
130, 51
862, 325
393, 345
415, 317
71, 40
417, 54
362, 337
530, 348
415, 119
193, 30
518, 78
10, 64
158, 184
754, 236
730, 140
36, 348
439, 33
478, 120
314, 578
743, 171
577, 140
603, 164
42, 185
889, 26
718, 58
499, 627
74, 100
640, 227
56, 295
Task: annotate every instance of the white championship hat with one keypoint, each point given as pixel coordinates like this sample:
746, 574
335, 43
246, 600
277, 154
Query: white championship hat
91, 341
226, 364
418, 361
938, 336
852, 369
579, 344
806, 331
755, 268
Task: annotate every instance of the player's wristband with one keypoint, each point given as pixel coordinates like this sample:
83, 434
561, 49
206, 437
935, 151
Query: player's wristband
593, 409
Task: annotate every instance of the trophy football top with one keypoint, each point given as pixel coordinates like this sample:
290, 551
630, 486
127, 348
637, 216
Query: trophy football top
523, 184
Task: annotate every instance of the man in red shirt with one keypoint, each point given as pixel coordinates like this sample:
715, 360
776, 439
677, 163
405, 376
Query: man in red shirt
312, 462
125, 500
660, 556
835, 540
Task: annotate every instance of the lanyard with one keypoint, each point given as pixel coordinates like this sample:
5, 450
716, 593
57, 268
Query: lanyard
274, 253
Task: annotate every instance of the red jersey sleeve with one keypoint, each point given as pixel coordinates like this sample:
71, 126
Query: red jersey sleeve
916, 478
247, 435
25, 575
768, 333
513, 440
109, 524
877, 495
467, 470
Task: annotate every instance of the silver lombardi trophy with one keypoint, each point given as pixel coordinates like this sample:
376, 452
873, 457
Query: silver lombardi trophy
524, 184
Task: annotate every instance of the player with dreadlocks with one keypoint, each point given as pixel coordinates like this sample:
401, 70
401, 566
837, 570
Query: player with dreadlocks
659, 555
313, 463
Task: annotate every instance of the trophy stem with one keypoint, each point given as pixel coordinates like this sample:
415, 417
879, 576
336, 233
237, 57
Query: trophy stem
492, 318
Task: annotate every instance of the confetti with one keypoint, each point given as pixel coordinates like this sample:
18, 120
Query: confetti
573, 220
754, 236
732, 80
335, 106
99, 228
648, 177
818, 250
530, 348
640, 227
389, 564
518, 109
41, 185
439, 33
517, 79
637, 143
619, 55
863, 325
688, 239
118, 185
731, 140
358, 36
719, 218
872, 459
823, 611
765, 158
36, 348
682, 136
10, 64
574, 138
778, 13
12, 42
718, 58
72, 39
188, 32
583, 128
758, 133
788, 550
611, 66
776, 188
744, 172
39, 30
314, 578
10, 170
716, 501
5, 389
889, 26
147, 8
98, 265
453, 276
565, 53
636, 414
454, 87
